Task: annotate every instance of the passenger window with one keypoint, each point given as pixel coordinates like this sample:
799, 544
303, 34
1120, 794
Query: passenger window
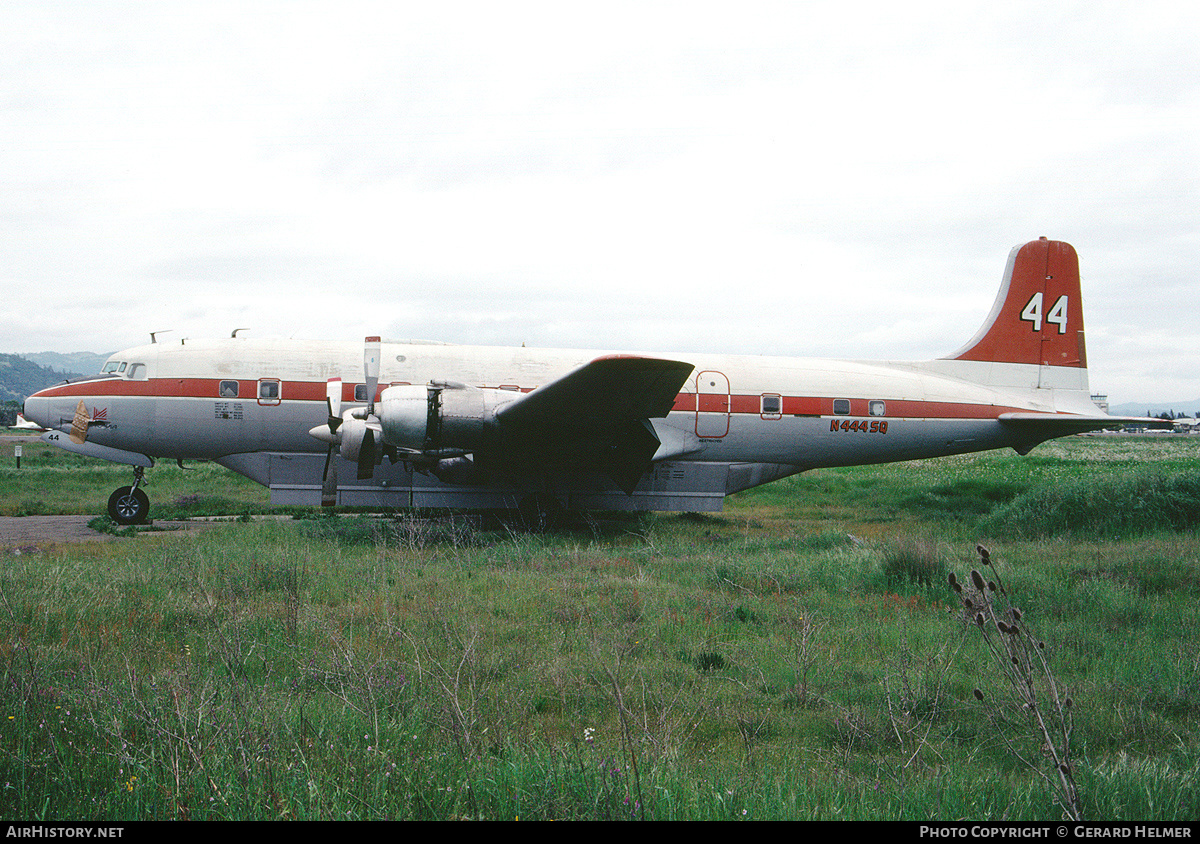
841, 406
877, 408
228, 390
772, 406
269, 391
360, 392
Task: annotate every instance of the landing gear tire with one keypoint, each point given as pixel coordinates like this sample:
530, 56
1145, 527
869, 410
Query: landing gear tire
128, 506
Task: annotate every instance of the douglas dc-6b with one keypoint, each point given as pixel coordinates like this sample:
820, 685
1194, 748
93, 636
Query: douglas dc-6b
490, 427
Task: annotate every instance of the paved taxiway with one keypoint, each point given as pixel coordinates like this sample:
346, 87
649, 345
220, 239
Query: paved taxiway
27, 533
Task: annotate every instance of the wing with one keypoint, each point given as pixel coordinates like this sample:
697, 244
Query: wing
596, 416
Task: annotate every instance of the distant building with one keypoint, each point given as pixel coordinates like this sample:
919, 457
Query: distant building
1101, 401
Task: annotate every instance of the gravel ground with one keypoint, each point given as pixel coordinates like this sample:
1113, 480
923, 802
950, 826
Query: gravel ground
25, 534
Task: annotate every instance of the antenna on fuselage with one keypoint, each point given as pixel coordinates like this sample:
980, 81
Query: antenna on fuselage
236, 330
165, 331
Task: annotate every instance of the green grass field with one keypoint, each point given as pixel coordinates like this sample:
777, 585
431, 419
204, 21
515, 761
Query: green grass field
799, 656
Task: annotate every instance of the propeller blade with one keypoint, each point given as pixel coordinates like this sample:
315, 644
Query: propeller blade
329, 481
366, 456
371, 370
333, 403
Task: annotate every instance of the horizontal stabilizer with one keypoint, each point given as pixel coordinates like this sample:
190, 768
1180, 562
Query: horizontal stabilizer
1036, 428
1065, 423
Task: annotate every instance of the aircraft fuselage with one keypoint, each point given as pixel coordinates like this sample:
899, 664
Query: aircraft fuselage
216, 400
481, 426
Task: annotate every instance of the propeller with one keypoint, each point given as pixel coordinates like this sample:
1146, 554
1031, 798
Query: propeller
366, 452
333, 406
333, 403
371, 371
353, 434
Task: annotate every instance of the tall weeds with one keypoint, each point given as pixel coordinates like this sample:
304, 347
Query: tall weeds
760, 664
1132, 504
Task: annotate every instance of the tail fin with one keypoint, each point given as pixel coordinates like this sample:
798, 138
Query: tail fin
1038, 315
1031, 346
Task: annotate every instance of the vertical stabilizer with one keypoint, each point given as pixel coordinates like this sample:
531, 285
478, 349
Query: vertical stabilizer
1038, 315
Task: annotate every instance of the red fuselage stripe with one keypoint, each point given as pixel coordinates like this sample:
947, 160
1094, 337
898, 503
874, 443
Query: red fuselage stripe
742, 404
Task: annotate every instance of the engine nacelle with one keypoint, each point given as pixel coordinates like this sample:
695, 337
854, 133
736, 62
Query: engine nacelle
352, 432
439, 416
404, 414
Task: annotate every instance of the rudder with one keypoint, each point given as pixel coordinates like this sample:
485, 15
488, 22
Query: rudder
1038, 314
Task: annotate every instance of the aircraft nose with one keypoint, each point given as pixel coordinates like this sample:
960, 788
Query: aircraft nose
36, 409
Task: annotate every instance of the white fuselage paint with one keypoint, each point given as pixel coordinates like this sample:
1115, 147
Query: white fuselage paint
779, 414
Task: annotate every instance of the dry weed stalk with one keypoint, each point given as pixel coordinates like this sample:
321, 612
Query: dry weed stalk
460, 679
626, 716
1020, 657
915, 693
802, 632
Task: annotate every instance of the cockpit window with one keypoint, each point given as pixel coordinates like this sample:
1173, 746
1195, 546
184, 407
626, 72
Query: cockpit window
137, 372
112, 366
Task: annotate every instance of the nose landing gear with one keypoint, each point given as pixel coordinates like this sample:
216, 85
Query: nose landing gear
129, 505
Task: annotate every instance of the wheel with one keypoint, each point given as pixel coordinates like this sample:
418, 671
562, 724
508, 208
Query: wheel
128, 506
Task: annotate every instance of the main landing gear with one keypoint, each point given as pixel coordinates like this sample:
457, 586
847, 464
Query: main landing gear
129, 505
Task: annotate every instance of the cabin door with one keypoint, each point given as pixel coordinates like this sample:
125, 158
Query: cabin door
712, 404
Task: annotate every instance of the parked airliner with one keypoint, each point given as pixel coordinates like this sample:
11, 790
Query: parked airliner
439, 425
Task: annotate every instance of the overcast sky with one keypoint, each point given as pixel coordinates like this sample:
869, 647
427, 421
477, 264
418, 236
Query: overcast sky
815, 179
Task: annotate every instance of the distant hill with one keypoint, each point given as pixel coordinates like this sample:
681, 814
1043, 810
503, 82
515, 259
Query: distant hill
20, 377
1187, 408
85, 363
